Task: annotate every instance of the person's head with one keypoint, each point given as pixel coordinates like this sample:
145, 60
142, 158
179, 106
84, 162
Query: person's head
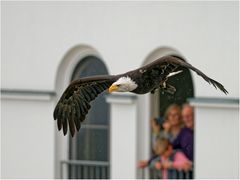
188, 116
155, 125
173, 115
163, 147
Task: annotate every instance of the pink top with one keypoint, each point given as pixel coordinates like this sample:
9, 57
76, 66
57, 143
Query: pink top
179, 160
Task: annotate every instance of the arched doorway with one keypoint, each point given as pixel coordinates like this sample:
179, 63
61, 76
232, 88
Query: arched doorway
81, 157
155, 105
90, 148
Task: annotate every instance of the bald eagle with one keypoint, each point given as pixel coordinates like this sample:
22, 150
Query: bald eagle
74, 103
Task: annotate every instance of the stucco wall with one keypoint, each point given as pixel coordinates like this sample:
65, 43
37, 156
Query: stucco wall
36, 35
27, 141
216, 138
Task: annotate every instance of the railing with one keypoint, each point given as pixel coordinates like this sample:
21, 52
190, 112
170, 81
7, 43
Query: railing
76, 169
175, 174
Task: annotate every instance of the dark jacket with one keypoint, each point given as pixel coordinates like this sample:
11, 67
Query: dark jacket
184, 142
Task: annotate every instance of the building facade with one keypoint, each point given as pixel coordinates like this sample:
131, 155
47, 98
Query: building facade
45, 45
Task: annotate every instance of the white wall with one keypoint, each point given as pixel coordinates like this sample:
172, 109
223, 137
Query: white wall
216, 140
36, 35
27, 139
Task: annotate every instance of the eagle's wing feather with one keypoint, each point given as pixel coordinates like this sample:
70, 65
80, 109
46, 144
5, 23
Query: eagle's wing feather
176, 62
74, 104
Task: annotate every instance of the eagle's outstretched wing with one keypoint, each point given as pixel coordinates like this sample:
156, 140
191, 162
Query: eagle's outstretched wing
172, 63
74, 104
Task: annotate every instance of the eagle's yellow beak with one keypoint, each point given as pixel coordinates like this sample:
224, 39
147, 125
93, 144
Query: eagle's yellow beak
113, 88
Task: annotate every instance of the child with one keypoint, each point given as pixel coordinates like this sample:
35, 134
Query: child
157, 131
170, 159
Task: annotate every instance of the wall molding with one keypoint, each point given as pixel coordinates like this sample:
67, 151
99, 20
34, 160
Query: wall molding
21, 94
121, 98
214, 102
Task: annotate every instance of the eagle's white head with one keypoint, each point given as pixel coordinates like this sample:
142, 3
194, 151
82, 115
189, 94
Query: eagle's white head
123, 84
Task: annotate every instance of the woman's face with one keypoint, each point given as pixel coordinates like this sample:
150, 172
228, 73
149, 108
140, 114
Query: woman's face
174, 117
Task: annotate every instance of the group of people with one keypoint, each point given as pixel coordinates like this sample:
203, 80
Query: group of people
172, 141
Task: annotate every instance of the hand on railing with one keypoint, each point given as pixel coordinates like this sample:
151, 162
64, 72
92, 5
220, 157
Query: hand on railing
142, 164
187, 166
158, 165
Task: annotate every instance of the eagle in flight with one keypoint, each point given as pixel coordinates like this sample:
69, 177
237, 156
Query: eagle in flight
74, 104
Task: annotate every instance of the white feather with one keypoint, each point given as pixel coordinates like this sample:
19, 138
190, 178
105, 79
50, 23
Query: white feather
126, 84
174, 73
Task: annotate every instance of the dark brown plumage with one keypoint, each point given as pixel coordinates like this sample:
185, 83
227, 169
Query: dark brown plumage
74, 104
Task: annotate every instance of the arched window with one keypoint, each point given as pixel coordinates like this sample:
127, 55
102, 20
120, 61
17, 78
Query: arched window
159, 102
90, 148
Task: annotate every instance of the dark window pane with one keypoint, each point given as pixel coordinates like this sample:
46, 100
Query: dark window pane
92, 144
92, 141
89, 66
98, 114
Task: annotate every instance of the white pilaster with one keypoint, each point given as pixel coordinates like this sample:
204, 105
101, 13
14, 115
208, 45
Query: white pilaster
123, 135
